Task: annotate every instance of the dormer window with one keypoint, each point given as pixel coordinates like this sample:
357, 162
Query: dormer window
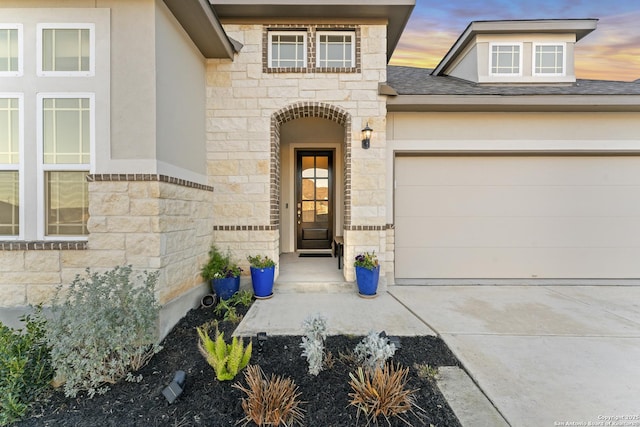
506, 59
287, 49
549, 60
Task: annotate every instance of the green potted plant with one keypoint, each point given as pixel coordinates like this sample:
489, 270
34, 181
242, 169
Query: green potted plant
367, 274
222, 272
262, 274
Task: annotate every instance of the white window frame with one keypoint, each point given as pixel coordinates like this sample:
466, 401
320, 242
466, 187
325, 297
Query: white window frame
352, 34
66, 26
42, 168
287, 33
19, 167
520, 62
535, 59
20, 70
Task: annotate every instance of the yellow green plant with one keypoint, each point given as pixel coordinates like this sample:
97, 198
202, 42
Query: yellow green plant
225, 359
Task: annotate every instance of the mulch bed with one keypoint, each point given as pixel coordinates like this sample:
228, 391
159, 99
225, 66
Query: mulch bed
208, 402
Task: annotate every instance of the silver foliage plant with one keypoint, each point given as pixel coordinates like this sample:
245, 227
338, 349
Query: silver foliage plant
104, 329
373, 351
315, 331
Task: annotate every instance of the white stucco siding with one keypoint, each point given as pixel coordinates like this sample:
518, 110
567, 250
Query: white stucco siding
516, 196
133, 145
180, 101
467, 67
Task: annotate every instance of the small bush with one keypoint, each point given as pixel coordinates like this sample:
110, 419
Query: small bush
270, 401
426, 371
315, 330
374, 350
382, 392
25, 367
243, 298
225, 359
227, 308
104, 330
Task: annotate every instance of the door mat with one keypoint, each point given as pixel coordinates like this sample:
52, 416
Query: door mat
315, 255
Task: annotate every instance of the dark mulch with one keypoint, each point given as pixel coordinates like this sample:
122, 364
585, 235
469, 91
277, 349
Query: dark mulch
207, 402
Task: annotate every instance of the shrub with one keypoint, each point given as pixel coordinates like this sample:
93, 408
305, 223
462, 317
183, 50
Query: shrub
227, 308
382, 392
25, 366
103, 330
225, 359
270, 401
374, 350
315, 330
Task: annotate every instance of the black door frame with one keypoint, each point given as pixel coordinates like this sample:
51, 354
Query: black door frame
300, 243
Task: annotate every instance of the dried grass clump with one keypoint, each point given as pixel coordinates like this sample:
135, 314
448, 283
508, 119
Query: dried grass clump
270, 401
382, 392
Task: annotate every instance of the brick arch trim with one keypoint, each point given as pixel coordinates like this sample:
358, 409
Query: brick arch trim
301, 110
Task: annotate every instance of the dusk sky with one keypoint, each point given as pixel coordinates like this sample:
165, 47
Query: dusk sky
611, 52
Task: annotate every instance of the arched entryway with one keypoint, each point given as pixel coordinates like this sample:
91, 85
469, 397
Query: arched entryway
305, 132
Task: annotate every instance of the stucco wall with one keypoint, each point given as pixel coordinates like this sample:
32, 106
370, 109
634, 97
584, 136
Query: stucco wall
137, 216
180, 100
133, 133
467, 67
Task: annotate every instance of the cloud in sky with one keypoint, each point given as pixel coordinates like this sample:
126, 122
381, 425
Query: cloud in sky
611, 52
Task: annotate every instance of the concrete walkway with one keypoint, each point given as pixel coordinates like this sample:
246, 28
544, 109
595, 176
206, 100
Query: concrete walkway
543, 355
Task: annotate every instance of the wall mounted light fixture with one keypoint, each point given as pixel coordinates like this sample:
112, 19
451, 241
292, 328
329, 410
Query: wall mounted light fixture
366, 136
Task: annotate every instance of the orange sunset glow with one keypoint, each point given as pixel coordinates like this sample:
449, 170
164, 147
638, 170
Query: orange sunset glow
611, 52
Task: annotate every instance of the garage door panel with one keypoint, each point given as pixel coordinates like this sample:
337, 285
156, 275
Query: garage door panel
517, 217
524, 170
524, 232
521, 200
505, 263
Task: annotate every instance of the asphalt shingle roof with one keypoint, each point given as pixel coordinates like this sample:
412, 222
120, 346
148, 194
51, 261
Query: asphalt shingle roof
419, 81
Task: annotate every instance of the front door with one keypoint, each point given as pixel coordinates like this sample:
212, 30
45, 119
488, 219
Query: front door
314, 199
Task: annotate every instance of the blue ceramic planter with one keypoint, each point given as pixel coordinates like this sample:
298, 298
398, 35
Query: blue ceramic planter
262, 280
227, 287
367, 280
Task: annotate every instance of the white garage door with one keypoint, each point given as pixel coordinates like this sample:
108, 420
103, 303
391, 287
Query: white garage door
517, 217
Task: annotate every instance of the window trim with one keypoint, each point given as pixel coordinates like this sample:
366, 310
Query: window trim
534, 60
20, 71
305, 45
350, 33
19, 167
42, 168
66, 26
520, 62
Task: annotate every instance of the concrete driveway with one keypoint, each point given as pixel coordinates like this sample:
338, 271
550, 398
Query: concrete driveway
544, 355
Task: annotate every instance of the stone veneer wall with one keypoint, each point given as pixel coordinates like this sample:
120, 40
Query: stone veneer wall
153, 222
247, 102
